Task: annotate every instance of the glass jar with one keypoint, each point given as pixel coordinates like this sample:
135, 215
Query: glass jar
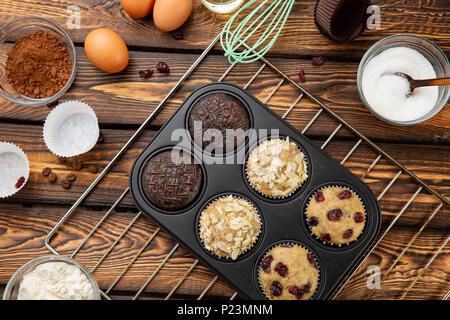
222, 6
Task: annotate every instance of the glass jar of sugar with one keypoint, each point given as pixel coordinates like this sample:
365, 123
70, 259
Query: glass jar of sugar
386, 95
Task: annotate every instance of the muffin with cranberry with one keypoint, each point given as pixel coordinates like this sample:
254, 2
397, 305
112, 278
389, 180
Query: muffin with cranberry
336, 215
288, 272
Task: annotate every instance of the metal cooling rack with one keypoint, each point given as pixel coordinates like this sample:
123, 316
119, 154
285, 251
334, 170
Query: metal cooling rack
421, 186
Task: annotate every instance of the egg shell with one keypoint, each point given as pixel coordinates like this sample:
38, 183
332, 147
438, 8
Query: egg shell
106, 50
137, 9
169, 15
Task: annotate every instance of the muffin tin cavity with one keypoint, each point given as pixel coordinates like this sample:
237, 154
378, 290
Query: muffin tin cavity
281, 217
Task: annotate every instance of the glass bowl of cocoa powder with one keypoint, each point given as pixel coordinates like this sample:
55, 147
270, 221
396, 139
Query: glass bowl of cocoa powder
38, 62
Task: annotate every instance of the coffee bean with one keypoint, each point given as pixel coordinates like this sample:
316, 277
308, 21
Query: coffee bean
77, 164
71, 177
52, 177
66, 184
46, 171
92, 169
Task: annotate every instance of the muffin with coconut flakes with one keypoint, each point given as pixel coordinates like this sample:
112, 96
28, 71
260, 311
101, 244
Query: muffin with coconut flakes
229, 226
276, 168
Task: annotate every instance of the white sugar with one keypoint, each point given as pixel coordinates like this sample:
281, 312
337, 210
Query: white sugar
387, 93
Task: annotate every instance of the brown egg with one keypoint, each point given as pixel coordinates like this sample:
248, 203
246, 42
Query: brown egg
169, 15
106, 50
137, 8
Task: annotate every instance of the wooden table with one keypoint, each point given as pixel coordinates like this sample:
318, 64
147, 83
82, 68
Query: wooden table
123, 101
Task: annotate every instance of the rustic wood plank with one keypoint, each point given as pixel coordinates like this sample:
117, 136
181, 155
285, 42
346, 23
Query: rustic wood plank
23, 229
430, 163
299, 37
435, 280
22, 232
125, 99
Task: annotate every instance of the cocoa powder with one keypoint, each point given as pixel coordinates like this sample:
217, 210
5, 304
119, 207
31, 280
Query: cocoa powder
38, 65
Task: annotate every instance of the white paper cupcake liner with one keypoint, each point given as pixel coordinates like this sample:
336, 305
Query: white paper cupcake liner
214, 199
13, 166
71, 129
254, 187
331, 244
293, 243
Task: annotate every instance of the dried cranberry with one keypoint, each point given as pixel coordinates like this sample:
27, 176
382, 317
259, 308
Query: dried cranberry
318, 61
335, 214
101, 138
146, 74
286, 245
345, 194
20, 182
163, 67
53, 104
359, 217
276, 288
305, 289
319, 196
347, 234
295, 291
326, 237
265, 264
312, 260
282, 269
299, 292
177, 34
313, 221
301, 75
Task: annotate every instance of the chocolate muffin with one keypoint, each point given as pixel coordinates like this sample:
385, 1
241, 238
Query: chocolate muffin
171, 183
336, 215
218, 112
289, 272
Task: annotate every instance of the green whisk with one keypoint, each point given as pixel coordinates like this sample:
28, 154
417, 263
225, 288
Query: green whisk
232, 40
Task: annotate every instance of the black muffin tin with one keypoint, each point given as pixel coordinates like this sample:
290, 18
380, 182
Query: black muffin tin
283, 219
